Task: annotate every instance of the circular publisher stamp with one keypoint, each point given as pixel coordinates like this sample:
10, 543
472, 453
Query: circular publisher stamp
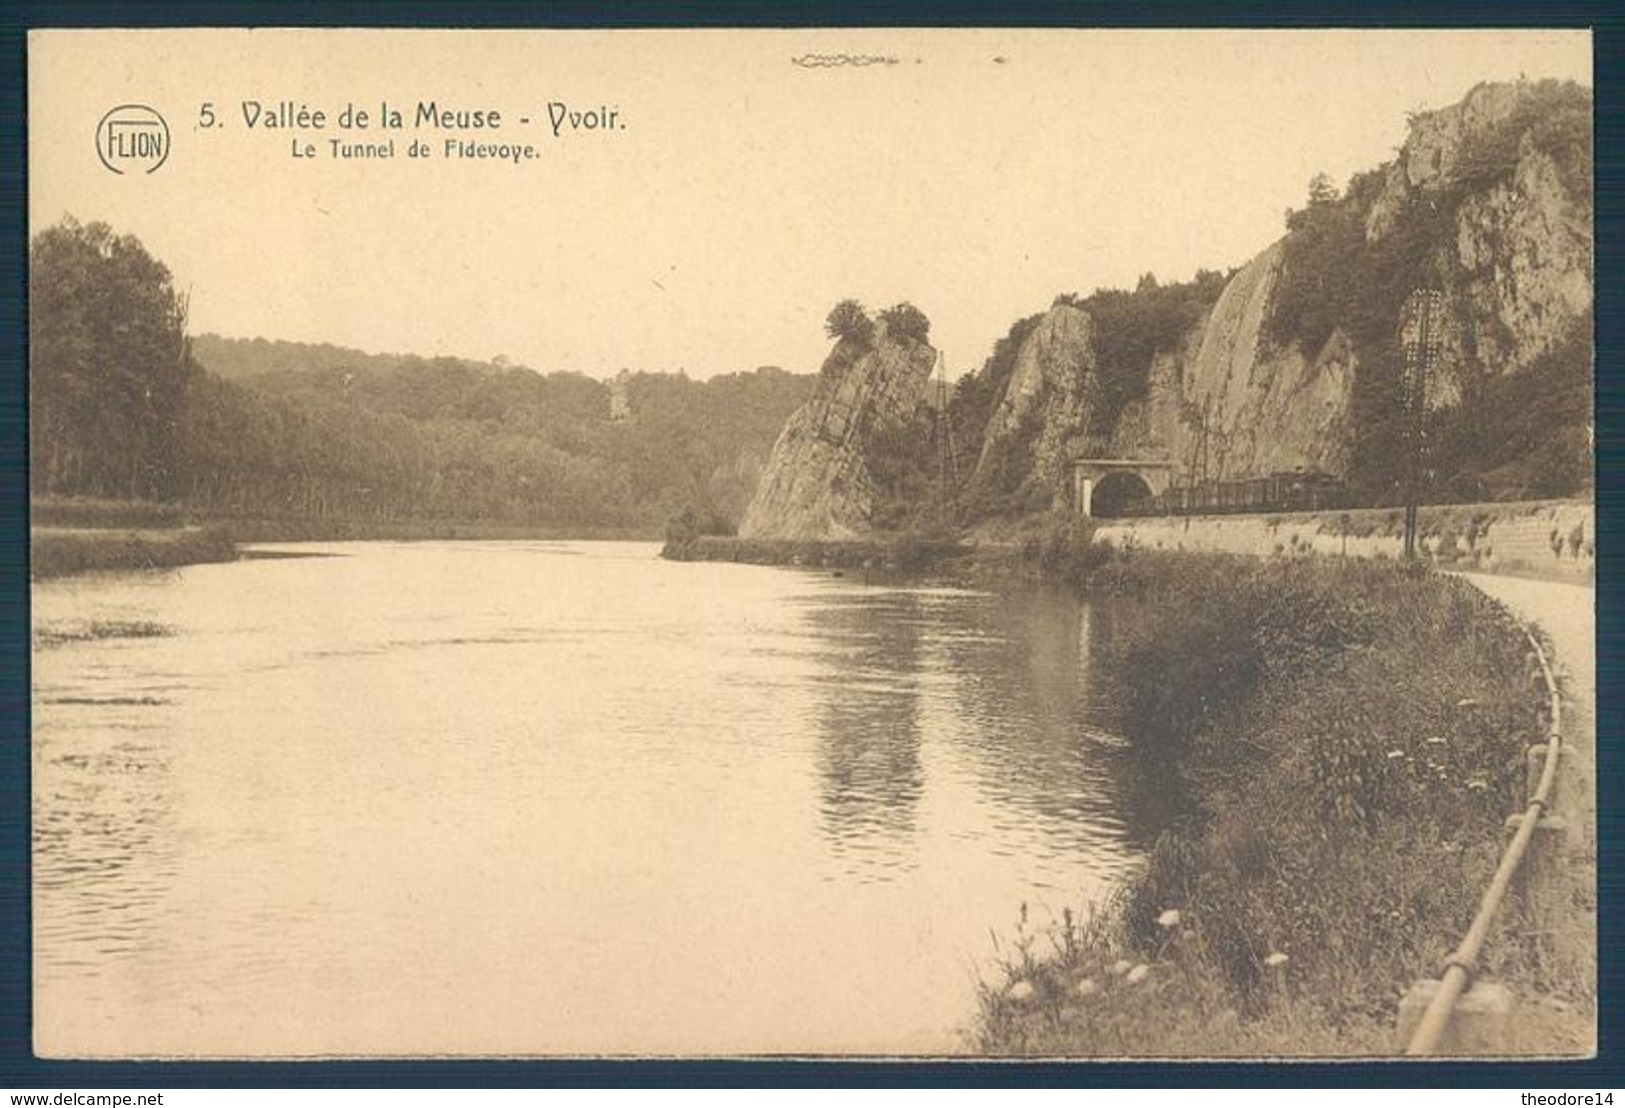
132, 138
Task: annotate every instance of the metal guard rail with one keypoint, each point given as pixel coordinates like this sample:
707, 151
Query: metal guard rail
1459, 966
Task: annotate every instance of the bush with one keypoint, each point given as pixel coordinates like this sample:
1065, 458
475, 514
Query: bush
905, 321
848, 320
1066, 550
903, 463
682, 529
689, 524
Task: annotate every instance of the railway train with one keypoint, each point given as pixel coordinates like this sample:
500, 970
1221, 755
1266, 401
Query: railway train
1293, 491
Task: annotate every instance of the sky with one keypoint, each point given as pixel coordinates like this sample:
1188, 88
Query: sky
739, 194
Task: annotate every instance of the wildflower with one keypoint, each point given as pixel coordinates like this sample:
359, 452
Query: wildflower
1087, 987
1022, 991
1120, 967
1276, 958
1138, 973
1168, 919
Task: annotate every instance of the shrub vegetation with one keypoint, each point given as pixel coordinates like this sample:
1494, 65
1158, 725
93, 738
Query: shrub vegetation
1349, 736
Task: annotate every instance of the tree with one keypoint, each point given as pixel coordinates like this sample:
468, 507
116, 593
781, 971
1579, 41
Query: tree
1321, 190
108, 364
905, 321
848, 320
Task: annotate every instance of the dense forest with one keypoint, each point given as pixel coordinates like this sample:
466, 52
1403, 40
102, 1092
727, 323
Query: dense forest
124, 405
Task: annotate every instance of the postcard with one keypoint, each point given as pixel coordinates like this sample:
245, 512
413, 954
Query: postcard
831, 543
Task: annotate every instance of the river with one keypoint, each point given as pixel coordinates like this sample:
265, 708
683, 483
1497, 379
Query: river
516, 798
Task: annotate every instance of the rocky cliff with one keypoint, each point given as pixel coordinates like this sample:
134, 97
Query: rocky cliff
1510, 168
1292, 361
1249, 406
1489, 201
1039, 422
817, 483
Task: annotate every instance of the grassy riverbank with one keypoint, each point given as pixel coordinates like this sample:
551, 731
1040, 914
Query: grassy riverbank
57, 552
1347, 738
83, 534
70, 535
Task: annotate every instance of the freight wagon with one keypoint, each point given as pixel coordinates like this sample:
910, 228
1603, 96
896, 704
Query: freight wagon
1295, 491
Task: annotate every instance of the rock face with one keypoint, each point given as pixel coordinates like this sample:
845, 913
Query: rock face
1524, 252
1430, 159
1516, 269
1224, 403
1252, 408
1052, 391
817, 483
1520, 268
1513, 258
1489, 201
1152, 426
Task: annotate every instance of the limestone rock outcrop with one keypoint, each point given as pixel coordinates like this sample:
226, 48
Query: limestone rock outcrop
1520, 268
1251, 407
1513, 259
1430, 160
817, 484
1524, 250
1047, 404
1489, 202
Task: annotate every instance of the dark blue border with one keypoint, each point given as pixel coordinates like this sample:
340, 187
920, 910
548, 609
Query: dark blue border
19, 1070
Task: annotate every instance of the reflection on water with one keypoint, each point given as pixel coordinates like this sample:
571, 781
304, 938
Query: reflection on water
869, 728
1008, 685
553, 798
1045, 742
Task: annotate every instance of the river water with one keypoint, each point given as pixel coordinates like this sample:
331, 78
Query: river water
553, 798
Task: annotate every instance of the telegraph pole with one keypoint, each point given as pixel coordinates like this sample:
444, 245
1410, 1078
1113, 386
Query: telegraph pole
1420, 329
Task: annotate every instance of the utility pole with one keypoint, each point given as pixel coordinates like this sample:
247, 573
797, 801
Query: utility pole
1207, 411
1421, 326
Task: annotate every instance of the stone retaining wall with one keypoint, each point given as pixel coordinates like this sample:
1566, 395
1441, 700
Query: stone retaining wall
1554, 539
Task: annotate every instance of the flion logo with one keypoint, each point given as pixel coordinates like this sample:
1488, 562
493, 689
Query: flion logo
132, 138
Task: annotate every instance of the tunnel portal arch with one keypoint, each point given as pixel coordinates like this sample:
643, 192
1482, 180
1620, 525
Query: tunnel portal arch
1104, 486
1115, 491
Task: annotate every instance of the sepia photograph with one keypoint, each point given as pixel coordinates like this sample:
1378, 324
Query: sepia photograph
835, 544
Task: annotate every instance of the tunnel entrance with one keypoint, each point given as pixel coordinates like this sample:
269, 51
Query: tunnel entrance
1111, 486
1115, 492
